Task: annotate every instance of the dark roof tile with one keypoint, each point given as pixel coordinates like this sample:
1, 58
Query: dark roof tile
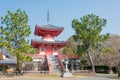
49, 26
8, 62
5, 52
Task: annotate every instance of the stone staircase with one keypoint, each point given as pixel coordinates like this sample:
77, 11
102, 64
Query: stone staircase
54, 64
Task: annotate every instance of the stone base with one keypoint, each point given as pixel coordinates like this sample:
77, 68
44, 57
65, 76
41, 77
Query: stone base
67, 74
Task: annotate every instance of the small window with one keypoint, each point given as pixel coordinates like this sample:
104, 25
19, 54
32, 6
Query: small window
42, 49
55, 49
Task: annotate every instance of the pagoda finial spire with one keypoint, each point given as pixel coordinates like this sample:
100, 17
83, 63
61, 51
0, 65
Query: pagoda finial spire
48, 16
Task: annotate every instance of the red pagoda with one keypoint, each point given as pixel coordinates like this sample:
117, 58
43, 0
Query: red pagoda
48, 47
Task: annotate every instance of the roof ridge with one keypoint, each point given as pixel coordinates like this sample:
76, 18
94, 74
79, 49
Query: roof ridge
48, 25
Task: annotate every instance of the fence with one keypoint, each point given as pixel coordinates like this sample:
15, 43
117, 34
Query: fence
33, 73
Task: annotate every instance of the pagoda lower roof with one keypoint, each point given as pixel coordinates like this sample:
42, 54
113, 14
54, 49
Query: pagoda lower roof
37, 43
48, 29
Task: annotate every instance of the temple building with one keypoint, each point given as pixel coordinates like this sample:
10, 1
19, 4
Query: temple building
47, 45
7, 60
48, 49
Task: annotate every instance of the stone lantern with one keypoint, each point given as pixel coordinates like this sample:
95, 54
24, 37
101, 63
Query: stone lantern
66, 72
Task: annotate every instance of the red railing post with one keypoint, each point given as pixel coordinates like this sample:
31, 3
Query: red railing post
61, 63
47, 63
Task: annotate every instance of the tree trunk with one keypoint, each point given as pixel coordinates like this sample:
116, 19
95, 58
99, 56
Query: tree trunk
18, 65
17, 54
118, 73
118, 70
91, 61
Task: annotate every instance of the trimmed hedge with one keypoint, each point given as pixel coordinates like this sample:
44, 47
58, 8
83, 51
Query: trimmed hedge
3, 67
100, 68
114, 69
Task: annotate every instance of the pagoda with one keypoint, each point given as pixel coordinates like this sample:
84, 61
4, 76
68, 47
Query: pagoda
48, 47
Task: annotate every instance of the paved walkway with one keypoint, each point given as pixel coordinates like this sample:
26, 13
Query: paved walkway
97, 77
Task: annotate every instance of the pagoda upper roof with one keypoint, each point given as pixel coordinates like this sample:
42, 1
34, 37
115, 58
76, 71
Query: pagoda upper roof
42, 30
36, 43
50, 26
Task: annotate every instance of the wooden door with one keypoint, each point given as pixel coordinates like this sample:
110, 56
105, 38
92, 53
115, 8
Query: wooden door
49, 49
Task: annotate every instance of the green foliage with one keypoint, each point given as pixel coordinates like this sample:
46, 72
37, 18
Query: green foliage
88, 34
70, 49
14, 30
81, 50
25, 58
3, 67
106, 50
114, 69
88, 31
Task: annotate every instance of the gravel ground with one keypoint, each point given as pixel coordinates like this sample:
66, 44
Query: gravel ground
96, 77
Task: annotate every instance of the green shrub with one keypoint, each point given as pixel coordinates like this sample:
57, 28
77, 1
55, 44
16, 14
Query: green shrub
3, 67
100, 69
114, 69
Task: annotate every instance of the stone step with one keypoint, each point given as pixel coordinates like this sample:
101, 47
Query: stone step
54, 64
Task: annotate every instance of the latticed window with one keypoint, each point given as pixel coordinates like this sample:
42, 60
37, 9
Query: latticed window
55, 49
42, 49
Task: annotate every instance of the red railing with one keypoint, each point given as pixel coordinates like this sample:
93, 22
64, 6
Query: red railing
61, 63
47, 63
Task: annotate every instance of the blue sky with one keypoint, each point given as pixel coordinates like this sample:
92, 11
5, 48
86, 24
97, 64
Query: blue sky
62, 12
